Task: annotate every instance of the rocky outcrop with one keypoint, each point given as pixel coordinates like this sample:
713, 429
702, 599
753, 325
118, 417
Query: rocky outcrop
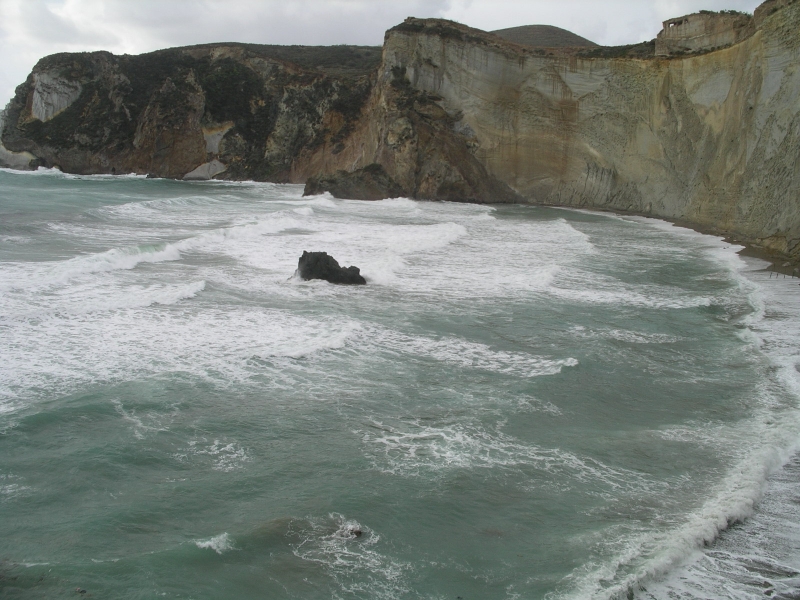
426, 150
712, 140
14, 160
320, 265
169, 141
369, 183
247, 112
703, 31
227, 111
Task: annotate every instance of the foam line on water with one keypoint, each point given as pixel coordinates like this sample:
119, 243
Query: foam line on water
622, 335
41, 171
588, 288
59, 273
54, 172
85, 299
655, 553
465, 354
15, 276
769, 439
413, 449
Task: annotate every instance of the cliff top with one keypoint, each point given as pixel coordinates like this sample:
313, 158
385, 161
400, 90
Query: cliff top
452, 30
342, 60
336, 61
543, 36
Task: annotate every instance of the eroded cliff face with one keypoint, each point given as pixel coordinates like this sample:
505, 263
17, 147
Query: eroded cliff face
421, 146
228, 111
450, 113
713, 140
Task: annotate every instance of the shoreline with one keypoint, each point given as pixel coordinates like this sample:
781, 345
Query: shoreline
778, 262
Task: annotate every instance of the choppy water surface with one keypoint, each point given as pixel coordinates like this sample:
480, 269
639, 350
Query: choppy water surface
522, 403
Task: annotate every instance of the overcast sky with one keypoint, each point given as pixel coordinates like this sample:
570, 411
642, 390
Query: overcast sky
30, 29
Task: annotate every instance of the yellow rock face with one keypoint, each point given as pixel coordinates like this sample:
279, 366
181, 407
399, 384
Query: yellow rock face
711, 139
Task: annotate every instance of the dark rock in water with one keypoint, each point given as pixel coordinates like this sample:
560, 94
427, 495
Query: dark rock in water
370, 183
320, 265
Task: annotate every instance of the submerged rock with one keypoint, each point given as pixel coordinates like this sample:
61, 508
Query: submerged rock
320, 265
370, 183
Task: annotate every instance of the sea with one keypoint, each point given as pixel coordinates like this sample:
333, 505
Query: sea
522, 403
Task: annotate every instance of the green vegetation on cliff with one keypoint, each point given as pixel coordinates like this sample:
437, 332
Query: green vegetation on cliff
262, 91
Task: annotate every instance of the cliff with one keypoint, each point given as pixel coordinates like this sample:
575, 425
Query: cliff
711, 138
236, 111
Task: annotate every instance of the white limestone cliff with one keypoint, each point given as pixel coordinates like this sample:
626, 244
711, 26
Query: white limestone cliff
52, 94
712, 139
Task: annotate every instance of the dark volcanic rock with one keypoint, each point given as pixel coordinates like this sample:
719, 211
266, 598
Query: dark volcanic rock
320, 265
370, 183
252, 108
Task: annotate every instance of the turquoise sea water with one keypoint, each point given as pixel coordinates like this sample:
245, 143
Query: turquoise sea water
522, 403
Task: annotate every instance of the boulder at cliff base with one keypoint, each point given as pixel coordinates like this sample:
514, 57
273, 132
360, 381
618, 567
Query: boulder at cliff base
370, 183
320, 265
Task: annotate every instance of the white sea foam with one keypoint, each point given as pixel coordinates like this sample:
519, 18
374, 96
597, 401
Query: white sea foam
414, 449
194, 210
58, 352
325, 199
56, 172
14, 239
591, 289
622, 335
655, 552
223, 456
755, 559
38, 172
219, 543
349, 553
143, 424
531, 404
43, 275
465, 354
11, 488
23, 275
91, 298
763, 550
